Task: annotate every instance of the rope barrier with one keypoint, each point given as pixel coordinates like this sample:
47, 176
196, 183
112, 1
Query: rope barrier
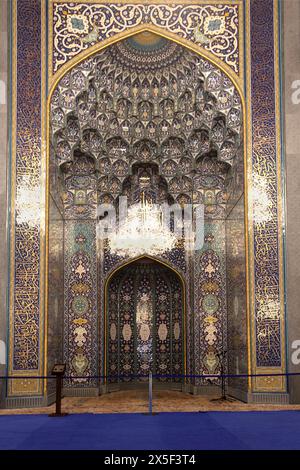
158, 376
59, 380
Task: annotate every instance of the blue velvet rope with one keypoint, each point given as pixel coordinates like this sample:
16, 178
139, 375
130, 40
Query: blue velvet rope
158, 376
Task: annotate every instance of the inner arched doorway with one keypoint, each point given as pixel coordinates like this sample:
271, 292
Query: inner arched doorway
145, 325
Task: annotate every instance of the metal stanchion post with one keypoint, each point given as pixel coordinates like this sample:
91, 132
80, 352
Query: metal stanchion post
58, 370
221, 356
150, 393
150, 396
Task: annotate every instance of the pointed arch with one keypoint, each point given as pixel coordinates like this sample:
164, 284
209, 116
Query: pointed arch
160, 262
237, 82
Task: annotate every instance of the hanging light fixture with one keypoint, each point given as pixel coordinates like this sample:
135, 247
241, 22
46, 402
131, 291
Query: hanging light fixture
144, 231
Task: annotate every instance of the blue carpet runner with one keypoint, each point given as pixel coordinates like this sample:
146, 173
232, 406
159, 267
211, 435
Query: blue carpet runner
164, 431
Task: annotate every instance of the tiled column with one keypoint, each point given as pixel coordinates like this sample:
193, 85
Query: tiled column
3, 188
291, 50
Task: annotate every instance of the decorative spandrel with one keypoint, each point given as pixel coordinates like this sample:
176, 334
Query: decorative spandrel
78, 26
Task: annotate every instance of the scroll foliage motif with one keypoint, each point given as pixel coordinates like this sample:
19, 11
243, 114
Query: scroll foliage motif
77, 26
80, 342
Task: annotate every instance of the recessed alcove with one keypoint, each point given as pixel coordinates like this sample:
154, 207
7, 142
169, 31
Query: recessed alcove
146, 115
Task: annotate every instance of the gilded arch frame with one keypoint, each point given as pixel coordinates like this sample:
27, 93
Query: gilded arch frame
200, 51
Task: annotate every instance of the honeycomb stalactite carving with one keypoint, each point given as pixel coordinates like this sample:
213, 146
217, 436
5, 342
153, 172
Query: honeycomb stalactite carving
173, 109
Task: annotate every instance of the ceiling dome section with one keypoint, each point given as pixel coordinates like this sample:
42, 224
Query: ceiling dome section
147, 40
147, 52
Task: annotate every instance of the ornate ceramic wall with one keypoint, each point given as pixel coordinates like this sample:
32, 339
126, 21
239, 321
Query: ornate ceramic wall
42, 55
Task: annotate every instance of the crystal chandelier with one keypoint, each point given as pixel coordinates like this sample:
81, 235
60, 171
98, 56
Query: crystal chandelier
144, 231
